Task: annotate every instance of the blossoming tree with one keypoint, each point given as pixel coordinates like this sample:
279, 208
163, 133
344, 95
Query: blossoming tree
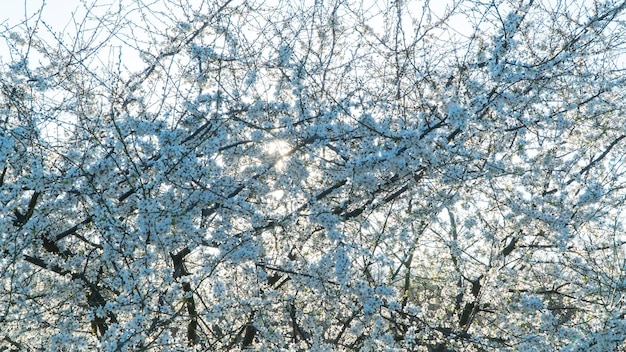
324, 175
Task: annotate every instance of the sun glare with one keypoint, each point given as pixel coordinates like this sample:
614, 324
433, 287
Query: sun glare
277, 149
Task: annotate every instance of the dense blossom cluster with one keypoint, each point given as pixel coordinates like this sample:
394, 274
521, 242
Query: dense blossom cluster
315, 175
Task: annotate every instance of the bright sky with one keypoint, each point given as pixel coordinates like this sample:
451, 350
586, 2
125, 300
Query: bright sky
57, 14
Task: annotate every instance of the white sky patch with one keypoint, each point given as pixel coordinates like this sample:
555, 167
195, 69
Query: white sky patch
56, 14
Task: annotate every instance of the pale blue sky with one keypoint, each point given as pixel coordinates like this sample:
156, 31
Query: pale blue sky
56, 13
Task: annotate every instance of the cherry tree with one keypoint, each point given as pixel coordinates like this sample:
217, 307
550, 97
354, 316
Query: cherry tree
314, 175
